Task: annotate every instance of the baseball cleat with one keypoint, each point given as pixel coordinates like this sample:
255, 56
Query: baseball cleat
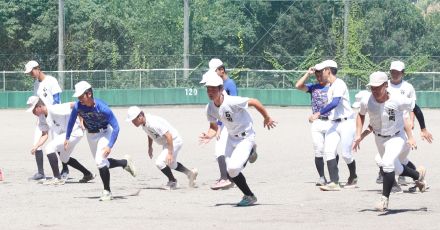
351, 183
332, 186
253, 155
247, 201
222, 184
37, 177
192, 178
130, 167
54, 181
382, 205
106, 196
420, 183
396, 189
87, 178
321, 181
171, 185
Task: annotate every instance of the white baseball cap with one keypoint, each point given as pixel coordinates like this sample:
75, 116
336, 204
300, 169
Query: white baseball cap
206, 75
212, 79
397, 65
32, 102
80, 88
132, 113
215, 63
377, 79
358, 98
30, 66
325, 64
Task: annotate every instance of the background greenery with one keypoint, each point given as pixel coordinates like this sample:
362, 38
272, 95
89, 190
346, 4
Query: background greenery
131, 34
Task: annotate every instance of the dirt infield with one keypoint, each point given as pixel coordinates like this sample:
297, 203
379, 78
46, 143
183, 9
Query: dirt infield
282, 178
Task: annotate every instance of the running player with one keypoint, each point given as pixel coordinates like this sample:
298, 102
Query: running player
54, 118
102, 132
232, 111
388, 124
161, 132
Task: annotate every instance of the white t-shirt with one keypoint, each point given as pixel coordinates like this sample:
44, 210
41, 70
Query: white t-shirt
232, 113
386, 118
47, 88
405, 89
57, 119
343, 109
156, 127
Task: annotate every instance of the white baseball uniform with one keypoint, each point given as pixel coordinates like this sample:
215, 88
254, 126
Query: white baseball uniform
45, 90
156, 127
387, 121
56, 122
220, 144
343, 126
406, 90
241, 138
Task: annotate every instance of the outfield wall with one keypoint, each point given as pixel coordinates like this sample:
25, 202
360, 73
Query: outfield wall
185, 96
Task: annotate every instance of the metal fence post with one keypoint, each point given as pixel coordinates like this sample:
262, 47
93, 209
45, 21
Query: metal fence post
433, 82
4, 81
140, 80
247, 79
105, 78
175, 78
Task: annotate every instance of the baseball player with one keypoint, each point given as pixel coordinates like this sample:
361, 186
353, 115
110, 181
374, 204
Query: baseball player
342, 126
230, 88
398, 85
232, 111
161, 132
102, 132
54, 118
387, 122
318, 93
47, 87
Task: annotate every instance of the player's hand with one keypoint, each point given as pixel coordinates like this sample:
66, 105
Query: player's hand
150, 152
34, 150
426, 136
218, 134
311, 70
269, 123
411, 143
314, 116
169, 159
106, 151
204, 138
356, 143
66, 144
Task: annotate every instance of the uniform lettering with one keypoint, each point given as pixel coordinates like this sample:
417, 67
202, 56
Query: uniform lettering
228, 116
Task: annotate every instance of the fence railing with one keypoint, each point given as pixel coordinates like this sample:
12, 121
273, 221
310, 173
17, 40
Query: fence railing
190, 78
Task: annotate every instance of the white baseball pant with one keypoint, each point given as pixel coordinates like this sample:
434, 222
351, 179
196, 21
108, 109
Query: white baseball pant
237, 152
57, 145
161, 160
389, 149
318, 129
220, 145
340, 132
97, 141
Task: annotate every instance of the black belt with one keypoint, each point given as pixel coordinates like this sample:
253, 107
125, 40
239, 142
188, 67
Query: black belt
340, 119
96, 130
323, 118
385, 136
243, 134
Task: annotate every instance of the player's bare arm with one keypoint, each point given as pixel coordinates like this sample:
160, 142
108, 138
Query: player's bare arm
170, 146
426, 135
408, 130
43, 138
268, 122
150, 147
211, 133
360, 120
314, 116
300, 84
106, 151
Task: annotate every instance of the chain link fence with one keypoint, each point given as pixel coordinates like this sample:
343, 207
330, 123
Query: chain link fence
190, 78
